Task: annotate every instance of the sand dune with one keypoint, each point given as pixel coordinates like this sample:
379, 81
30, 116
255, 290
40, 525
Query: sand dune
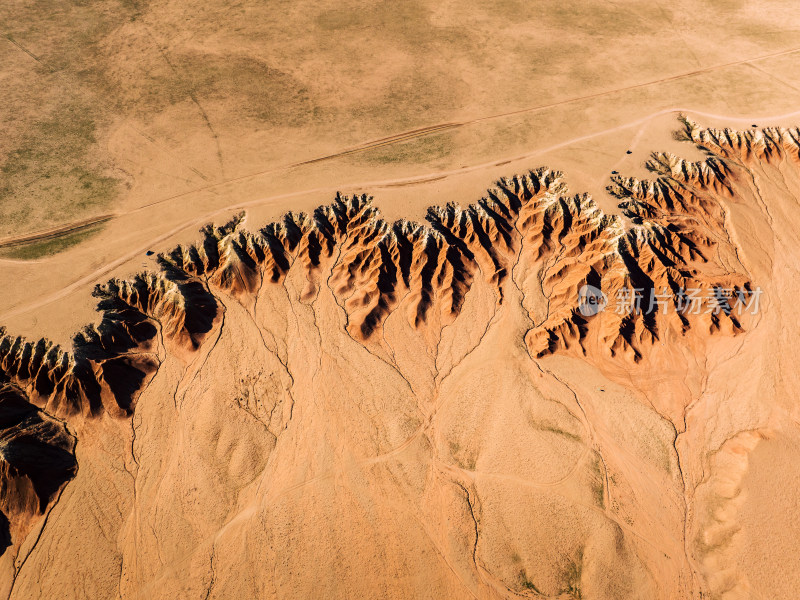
334, 405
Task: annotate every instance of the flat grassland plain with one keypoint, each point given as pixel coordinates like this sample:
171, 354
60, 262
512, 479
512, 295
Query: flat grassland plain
130, 125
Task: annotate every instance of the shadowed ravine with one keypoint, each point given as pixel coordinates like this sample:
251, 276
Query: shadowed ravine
339, 406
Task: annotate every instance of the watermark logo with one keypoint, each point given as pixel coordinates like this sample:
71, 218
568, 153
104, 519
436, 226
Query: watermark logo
690, 301
592, 300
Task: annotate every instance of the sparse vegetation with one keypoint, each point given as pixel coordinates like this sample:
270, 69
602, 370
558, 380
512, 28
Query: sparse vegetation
418, 150
598, 483
525, 583
553, 428
571, 576
50, 176
467, 462
49, 247
663, 452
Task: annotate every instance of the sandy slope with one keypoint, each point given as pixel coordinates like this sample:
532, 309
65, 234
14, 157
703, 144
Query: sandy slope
337, 406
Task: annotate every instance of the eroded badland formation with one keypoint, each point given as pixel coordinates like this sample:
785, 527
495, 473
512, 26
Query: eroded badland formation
337, 406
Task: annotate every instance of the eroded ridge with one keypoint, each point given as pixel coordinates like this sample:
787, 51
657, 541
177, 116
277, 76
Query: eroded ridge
36, 461
664, 246
666, 241
111, 362
671, 232
756, 145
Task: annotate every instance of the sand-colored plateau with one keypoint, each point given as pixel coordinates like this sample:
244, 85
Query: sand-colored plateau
338, 405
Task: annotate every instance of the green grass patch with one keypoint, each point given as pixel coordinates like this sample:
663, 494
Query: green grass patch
49, 247
51, 176
423, 149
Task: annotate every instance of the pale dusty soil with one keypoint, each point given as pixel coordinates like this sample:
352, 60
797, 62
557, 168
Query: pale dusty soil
769, 517
367, 403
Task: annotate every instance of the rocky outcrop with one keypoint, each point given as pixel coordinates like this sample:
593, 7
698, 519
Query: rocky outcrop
36, 461
525, 219
111, 362
766, 144
664, 246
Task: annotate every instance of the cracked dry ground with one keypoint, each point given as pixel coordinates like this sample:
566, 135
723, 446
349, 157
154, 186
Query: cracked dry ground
339, 407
